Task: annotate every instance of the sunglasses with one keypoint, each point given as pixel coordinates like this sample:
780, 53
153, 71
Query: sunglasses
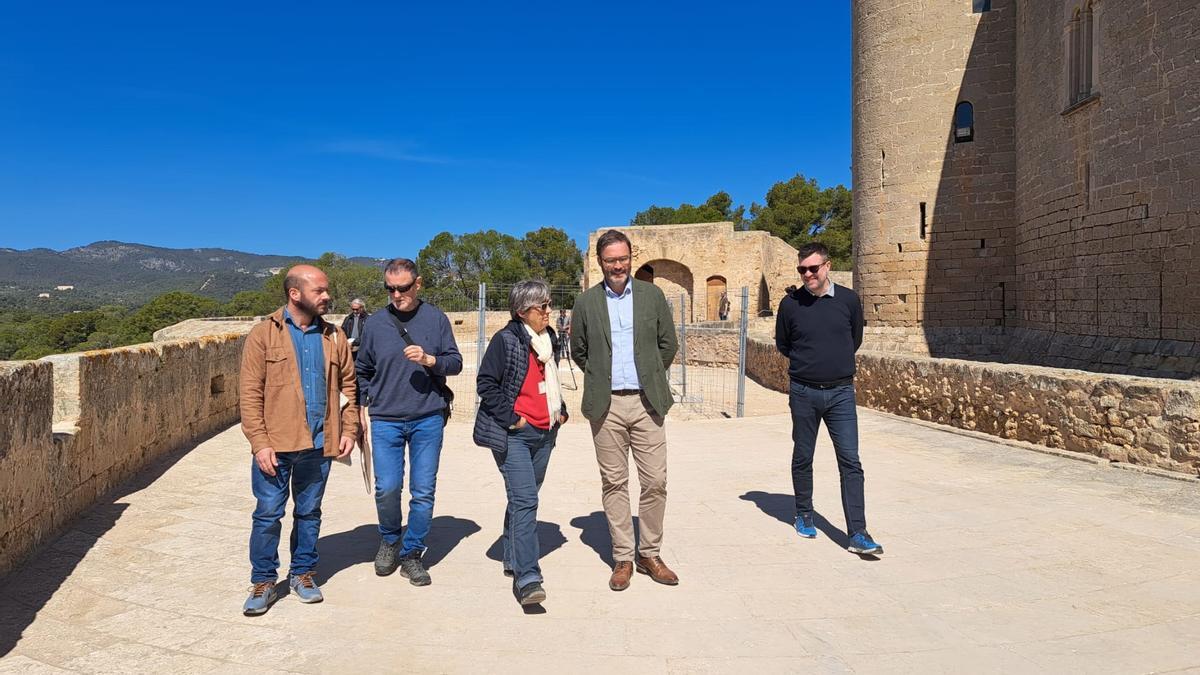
811, 269
544, 307
400, 289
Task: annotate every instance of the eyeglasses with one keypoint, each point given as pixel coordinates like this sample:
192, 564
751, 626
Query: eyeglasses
400, 289
544, 307
810, 269
623, 260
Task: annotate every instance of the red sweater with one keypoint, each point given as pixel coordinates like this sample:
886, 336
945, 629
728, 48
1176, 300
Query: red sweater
531, 402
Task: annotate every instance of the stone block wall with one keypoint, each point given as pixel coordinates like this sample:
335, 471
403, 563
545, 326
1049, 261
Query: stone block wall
1149, 422
933, 218
1108, 192
133, 405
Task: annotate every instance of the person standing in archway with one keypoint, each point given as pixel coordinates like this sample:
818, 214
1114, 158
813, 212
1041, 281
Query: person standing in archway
623, 338
819, 327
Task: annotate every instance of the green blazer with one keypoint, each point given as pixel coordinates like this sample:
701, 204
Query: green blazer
654, 346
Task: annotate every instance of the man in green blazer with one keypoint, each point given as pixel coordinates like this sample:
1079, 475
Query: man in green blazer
623, 339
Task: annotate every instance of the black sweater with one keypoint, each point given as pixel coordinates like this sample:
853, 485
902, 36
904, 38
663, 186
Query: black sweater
819, 335
395, 388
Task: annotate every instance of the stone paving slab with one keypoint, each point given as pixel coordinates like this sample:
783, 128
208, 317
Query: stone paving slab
997, 560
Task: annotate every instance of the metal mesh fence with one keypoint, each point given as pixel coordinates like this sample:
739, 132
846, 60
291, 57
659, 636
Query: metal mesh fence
707, 374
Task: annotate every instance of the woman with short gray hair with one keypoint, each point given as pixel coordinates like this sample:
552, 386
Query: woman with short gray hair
520, 410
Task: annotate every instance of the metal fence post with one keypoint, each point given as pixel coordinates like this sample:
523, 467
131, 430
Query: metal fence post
683, 343
742, 330
481, 339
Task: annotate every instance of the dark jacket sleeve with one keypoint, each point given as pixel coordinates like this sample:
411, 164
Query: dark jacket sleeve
449, 362
579, 336
668, 344
489, 383
364, 364
783, 338
856, 321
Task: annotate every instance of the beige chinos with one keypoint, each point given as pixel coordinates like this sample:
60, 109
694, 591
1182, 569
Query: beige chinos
630, 426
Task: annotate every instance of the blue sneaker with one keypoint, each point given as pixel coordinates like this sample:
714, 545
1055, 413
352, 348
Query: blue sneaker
862, 544
805, 527
262, 595
305, 588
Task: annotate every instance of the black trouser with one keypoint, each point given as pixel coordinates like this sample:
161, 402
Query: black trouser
810, 405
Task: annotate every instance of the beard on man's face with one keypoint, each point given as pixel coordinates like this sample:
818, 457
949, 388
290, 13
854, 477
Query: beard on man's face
319, 308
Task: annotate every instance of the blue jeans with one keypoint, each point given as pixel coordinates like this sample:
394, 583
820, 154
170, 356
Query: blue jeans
423, 437
523, 466
809, 406
304, 474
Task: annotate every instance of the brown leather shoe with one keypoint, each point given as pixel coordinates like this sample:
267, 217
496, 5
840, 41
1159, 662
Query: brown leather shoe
657, 570
622, 572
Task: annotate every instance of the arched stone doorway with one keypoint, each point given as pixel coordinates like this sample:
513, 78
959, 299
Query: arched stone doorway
674, 279
715, 289
764, 298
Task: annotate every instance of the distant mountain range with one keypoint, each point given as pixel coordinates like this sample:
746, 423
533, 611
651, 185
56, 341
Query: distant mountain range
114, 272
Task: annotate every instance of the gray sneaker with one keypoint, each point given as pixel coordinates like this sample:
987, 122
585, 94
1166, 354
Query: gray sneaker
385, 559
305, 588
262, 595
412, 569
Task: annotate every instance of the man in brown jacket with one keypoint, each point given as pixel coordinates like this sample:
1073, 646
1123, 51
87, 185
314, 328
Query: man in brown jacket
297, 389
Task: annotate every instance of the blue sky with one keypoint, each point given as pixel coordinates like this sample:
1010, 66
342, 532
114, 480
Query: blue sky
367, 128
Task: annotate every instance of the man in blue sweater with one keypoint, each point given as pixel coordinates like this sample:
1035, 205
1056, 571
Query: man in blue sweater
406, 353
819, 327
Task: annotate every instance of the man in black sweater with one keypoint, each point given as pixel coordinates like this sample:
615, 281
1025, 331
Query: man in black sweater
819, 327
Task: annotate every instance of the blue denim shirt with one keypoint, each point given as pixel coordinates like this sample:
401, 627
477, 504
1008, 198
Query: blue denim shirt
620, 320
310, 356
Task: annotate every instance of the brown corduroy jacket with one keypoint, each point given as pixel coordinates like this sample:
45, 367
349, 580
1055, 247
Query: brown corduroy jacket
272, 400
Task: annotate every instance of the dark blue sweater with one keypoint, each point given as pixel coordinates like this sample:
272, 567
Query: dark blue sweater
395, 388
819, 335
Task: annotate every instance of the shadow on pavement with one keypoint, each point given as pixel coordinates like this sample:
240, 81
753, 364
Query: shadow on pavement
32, 582
342, 550
783, 508
445, 533
550, 539
593, 531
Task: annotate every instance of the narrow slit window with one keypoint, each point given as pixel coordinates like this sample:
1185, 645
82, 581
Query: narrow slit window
922, 220
964, 122
981, 6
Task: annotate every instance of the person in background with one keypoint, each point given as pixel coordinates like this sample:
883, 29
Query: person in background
520, 410
563, 327
352, 325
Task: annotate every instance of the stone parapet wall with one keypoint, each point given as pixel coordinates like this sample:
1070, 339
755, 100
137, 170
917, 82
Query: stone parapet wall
1129, 356
132, 406
1144, 421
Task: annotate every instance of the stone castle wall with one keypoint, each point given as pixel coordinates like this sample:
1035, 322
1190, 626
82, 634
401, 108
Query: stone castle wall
1060, 236
932, 218
1143, 421
75, 426
1108, 194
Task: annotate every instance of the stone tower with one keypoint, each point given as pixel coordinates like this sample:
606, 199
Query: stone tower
934, 162
1027, 180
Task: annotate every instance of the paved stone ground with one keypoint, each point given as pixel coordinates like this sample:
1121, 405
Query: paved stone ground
998, 559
